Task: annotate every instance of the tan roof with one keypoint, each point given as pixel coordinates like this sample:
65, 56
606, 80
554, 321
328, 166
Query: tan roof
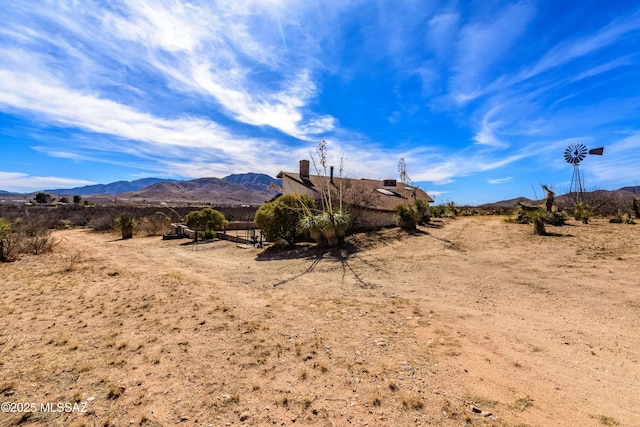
368, 193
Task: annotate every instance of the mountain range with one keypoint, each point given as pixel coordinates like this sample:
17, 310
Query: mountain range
254, 188
204, 190
253, 181
117, 187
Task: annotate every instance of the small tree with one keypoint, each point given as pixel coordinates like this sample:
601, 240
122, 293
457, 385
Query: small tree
43, 198
126, 224
77, 200
279, 220
208, 220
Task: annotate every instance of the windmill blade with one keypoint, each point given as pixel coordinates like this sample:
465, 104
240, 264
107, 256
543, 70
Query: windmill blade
597, 151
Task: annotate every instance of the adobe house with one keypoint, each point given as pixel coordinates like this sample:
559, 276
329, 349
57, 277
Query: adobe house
370, 201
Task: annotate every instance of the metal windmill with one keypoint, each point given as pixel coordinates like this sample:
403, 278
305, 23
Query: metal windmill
574, 154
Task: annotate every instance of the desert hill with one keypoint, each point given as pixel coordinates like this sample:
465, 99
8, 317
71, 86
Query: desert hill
255, 181
603, 202
204, 190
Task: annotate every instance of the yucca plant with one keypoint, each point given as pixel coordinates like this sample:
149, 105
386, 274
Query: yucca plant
424, 212
582, 212
328, 226
406, 216
549, 198
538, 217
126, 224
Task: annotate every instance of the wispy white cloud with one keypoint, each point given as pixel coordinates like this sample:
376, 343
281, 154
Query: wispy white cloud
487, 133
500, 180
70, 108
23, 183
620, 162
481, 44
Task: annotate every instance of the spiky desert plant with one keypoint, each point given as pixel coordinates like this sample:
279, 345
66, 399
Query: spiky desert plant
549, 198
424, 212
538, 218
581, 212
334, 227
126, 224
406, 216
328, 226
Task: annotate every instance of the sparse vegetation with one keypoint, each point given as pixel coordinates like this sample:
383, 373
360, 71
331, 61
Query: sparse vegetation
606, 420
23, 237
320, 348
522, 404
412, 403
539, 217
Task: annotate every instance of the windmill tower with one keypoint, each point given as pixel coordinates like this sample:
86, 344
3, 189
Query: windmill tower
574, 154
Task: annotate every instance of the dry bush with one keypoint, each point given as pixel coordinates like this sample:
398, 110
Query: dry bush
154, 225
102, 222
26, 237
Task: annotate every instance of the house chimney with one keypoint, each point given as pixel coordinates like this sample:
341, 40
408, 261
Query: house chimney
304, 169
331, 174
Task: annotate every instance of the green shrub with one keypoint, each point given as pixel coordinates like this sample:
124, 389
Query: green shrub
209, 235
43, 198
450, 210
279, 220
555, 218
581, 212
207, 220
422, 207
406, 216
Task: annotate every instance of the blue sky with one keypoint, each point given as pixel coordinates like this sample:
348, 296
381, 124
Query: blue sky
480, 98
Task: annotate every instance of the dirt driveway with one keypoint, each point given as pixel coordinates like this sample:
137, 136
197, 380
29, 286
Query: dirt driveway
470, 322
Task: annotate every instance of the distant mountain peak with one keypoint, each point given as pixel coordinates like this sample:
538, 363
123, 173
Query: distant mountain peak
255, 181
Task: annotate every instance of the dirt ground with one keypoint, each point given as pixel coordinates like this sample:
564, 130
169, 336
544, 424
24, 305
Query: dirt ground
473, 321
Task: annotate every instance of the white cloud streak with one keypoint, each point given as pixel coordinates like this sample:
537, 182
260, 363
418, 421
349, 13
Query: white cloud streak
23, 183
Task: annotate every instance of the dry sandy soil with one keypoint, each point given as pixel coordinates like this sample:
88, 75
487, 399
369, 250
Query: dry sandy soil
471, 322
